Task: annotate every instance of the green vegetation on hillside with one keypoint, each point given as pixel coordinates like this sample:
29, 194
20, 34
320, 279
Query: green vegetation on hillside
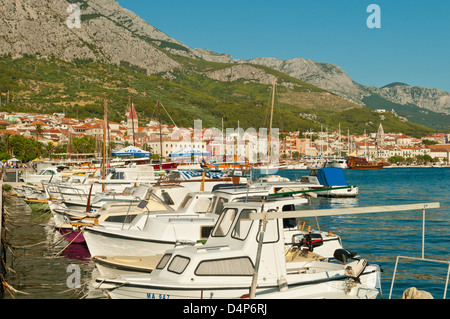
78, 88
414, 113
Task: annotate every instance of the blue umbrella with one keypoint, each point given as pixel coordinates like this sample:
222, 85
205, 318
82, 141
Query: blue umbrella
189, 151
131, 151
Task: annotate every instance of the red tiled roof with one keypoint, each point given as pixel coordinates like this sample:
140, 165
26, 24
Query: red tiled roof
132, 114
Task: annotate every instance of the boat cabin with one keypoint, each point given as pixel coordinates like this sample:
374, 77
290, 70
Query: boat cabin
231, 250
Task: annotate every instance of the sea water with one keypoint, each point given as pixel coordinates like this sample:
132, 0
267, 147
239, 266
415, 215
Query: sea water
42, 263
381, 237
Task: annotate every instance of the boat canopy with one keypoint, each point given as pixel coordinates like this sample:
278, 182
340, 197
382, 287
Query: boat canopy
329, 176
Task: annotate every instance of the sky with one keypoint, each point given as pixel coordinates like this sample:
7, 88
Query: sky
411, 44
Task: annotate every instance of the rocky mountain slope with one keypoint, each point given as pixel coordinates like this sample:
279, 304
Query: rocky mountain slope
111, 34
333, 78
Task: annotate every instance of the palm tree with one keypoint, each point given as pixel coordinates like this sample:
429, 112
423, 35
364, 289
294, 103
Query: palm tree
49, 149
6, 139
38, 131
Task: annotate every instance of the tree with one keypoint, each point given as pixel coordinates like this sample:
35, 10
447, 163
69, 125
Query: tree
6, 141
49, 149
39, 130
24, 148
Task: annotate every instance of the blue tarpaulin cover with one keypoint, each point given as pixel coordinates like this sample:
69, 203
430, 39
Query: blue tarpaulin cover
330, 176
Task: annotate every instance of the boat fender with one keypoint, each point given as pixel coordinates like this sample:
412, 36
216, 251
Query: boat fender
343, 255
414, 293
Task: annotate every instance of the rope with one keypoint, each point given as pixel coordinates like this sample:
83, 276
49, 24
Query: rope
81, 231
10, 289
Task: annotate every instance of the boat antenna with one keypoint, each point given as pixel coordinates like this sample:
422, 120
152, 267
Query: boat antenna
262, 226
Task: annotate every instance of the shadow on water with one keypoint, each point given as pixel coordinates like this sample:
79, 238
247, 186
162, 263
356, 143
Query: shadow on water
38, 257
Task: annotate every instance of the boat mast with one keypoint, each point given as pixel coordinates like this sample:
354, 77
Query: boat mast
339, 140
160, 137
105, 118
132, 118
269, 153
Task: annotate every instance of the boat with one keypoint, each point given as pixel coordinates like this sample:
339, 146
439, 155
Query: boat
338, 162
71, 223
297, 166
146, 234
226, 166
116, 181
98, 200
155, 231
201, 179
47, 174
332, 181
316, 244
245, 257
362, 163
326, 182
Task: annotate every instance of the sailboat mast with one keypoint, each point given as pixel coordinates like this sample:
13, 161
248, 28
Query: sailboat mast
271, 119
105, 115
132, 118
160, 137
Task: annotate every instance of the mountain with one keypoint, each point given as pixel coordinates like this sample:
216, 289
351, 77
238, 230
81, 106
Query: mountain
111, 35
419, 104
108, 33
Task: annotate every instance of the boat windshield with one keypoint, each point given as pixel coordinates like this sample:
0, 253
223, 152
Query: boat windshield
46, 172
226, 220
224, 223
216, 205
186, 201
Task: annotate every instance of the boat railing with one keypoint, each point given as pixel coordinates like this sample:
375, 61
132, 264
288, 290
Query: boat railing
59, 190
422, 258
359, 210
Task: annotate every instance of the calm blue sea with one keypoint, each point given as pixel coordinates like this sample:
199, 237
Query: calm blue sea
381, 237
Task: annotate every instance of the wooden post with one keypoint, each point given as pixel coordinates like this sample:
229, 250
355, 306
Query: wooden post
2, 238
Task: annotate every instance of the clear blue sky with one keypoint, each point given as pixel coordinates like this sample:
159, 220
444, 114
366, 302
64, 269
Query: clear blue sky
412, 45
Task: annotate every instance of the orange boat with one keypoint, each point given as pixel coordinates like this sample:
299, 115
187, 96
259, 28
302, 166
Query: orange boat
362, 163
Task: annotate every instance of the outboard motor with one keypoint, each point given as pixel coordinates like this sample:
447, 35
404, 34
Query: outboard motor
354, 268
343, 255
309, 241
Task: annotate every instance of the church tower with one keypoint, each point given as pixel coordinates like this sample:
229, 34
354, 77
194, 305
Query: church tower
380, 136
132, 122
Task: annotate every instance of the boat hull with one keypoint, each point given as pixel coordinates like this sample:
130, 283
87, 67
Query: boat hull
332, 285
71, 235
103, 243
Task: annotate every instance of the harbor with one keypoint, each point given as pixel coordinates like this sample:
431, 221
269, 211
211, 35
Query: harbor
269, 162
42, 264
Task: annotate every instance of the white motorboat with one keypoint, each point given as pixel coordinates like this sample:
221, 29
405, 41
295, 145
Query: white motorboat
245, 258
116, 181
154, 232
338, 162
118, 264
326, 182
129, 194
46, 174
297, 166
70, 223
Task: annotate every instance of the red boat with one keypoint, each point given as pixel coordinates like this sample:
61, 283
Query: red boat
71, 235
